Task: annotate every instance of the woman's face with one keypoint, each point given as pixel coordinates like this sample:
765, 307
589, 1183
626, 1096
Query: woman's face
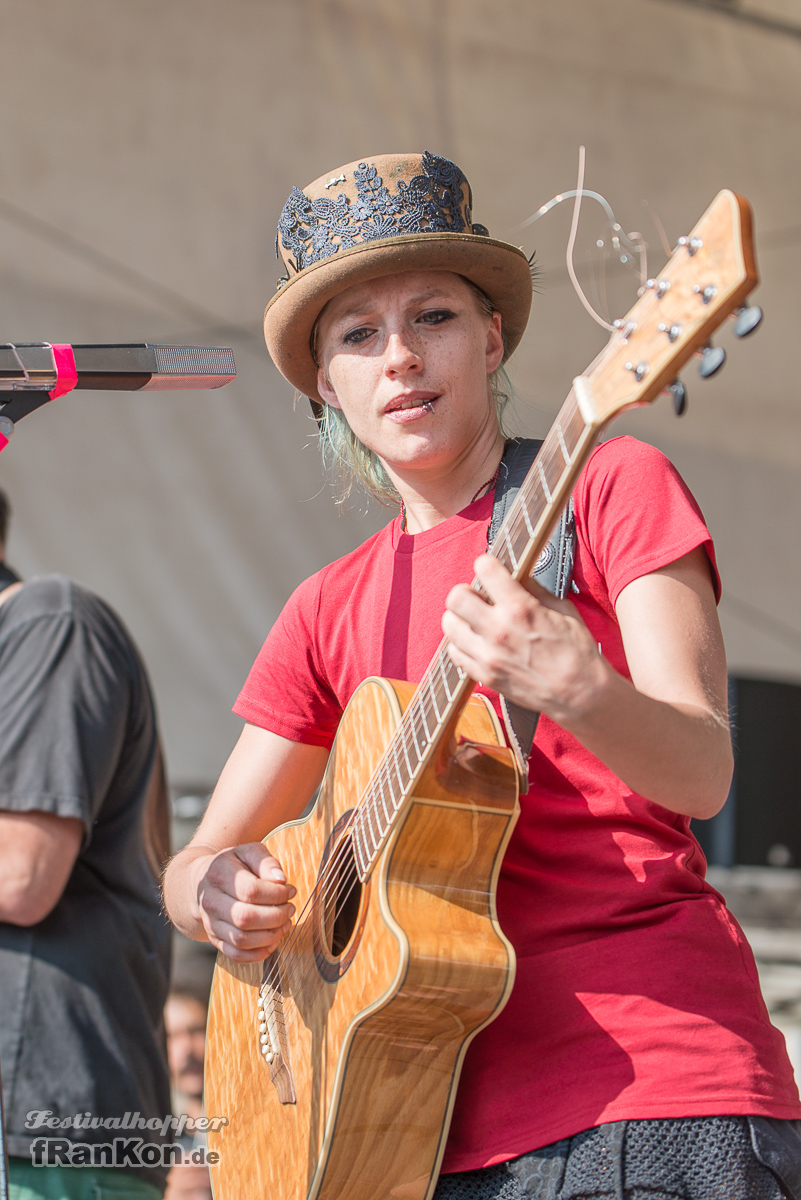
407, 359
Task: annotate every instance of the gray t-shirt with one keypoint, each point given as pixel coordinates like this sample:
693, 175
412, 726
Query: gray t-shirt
82, 992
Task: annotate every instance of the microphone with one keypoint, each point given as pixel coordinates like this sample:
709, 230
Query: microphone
36, 372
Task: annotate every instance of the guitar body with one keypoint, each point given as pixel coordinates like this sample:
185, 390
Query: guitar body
380, 1000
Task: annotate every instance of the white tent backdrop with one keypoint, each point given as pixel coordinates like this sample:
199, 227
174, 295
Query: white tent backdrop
146, 151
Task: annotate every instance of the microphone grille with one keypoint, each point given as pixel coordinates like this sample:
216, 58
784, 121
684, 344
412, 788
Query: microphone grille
194, 360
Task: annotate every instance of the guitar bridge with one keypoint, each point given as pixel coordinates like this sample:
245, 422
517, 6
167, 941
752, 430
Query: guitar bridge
273, 1045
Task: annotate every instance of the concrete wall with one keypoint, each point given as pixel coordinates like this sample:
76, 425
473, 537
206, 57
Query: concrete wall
147, 148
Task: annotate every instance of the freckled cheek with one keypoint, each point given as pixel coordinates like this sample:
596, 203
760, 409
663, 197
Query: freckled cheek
356, 389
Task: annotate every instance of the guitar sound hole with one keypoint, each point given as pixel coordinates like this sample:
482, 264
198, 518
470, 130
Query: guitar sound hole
342, 911
343, 908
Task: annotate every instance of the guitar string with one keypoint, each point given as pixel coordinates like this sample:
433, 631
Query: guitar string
342, 882
309, 931
331, 880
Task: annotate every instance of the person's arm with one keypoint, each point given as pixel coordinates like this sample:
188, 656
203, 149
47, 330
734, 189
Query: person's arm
665, 734
224, 887
64, 701
37, 854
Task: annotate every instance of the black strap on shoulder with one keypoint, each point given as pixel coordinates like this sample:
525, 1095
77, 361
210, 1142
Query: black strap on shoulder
553, 569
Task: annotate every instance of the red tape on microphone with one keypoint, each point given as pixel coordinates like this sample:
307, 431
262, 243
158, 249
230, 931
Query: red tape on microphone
66, 374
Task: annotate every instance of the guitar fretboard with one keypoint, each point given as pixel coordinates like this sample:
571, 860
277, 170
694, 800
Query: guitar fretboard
444, 688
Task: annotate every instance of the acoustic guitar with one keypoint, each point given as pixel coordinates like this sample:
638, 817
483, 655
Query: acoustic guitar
336, 1060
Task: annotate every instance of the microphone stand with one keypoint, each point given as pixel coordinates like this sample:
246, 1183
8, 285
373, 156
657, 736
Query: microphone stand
32, 373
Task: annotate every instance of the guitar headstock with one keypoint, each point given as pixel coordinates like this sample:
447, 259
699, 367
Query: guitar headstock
710, 274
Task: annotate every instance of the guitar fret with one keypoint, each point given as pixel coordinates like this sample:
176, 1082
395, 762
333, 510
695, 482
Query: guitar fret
384, 802
358, 844
545, 488
434, 697
562, 444
354, 841
526, 518
443, 672
398, 767
362, 858
367, 825
377, 826
576, 425
409, 766
425, 722
380, 820
393, 804
512, 554
412, 714
386, 786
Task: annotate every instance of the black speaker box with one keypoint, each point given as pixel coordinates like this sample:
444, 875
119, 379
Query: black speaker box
760, 824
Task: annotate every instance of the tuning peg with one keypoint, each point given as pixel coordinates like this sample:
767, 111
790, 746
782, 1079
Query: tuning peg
747, 319
712, 359
678, 394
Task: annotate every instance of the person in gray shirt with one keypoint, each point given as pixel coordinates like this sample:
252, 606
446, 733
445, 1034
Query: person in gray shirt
84, 945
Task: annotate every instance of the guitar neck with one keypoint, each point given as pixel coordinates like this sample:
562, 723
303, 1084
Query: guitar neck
443, 691
709, 275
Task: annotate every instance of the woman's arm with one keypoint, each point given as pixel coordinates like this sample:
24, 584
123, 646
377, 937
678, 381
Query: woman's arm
665, 734
224, 887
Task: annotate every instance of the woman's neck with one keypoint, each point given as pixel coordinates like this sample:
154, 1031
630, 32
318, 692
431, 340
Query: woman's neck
431, 498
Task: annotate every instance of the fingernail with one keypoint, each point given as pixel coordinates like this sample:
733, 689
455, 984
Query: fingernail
277, 875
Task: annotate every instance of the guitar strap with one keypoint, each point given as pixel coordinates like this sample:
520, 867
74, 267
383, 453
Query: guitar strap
553, 569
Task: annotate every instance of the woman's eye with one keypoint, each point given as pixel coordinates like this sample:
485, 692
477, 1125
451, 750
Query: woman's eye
355, 336
436, 316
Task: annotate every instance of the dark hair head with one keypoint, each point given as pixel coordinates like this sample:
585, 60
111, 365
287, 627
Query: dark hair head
5, 513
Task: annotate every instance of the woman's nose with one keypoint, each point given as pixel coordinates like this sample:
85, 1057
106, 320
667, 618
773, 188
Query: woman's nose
400, 354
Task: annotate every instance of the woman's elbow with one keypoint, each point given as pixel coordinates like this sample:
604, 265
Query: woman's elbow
715, 783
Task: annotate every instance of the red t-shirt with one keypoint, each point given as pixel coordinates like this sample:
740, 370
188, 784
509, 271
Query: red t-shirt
636, 993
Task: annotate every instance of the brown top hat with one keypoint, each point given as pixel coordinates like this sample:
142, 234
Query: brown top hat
395, 212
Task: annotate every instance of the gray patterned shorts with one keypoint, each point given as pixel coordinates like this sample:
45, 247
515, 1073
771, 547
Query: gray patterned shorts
688, 1158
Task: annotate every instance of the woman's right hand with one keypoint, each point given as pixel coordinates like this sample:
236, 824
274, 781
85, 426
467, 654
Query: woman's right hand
243, 901
238, 898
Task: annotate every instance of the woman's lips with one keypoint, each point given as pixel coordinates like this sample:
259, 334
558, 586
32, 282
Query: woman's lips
411, 408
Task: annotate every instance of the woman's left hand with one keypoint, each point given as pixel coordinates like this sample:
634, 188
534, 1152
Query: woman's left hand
665, 733
526, 644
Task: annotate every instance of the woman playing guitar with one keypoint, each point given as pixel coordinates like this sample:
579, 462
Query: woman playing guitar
635, 1057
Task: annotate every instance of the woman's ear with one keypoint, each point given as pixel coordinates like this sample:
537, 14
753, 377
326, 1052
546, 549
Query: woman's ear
325, 389
494, 343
